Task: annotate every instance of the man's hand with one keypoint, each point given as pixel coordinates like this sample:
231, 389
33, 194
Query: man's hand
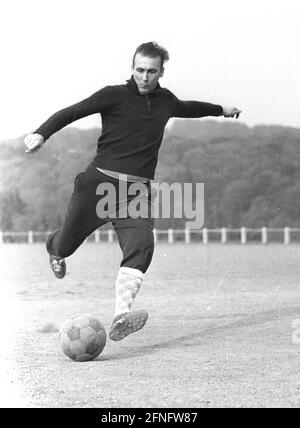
33, 142
231, 112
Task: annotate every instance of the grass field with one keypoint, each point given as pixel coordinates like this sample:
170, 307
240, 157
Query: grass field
219, 332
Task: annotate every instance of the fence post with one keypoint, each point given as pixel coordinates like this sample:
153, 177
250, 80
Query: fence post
287, 236
187, 236
223, 235
243, 235
97, 236
205, 235
264, 235
110, 236
170, 236
155, 235
30, 237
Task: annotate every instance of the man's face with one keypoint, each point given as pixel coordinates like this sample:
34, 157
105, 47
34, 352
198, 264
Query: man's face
146, 73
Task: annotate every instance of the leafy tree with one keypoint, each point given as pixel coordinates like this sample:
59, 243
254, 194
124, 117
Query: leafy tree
11, 207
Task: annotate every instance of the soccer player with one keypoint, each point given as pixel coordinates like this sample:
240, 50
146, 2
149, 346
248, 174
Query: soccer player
134, 116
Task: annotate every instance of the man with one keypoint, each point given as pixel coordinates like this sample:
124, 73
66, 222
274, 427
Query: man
134, 117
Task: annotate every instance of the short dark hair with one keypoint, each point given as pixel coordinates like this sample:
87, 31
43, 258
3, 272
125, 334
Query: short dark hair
153, 50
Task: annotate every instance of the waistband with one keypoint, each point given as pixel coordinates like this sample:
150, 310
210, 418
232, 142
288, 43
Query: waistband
124, 177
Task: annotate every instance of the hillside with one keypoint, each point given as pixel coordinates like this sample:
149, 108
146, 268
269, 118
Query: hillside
251, 175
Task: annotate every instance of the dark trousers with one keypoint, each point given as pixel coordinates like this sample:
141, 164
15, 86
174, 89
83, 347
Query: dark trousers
91, 207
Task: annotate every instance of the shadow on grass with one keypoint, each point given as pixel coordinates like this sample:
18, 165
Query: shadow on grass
198, 337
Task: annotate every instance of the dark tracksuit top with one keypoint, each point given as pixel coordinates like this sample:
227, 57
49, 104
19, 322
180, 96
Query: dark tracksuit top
132, 124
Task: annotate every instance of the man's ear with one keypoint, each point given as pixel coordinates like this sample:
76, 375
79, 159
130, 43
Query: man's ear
162, 72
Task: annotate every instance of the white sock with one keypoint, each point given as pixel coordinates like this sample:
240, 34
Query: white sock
128, 284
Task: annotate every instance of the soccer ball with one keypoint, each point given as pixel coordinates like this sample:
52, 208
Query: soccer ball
82, 338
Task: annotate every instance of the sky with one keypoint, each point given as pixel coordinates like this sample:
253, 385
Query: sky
54, 53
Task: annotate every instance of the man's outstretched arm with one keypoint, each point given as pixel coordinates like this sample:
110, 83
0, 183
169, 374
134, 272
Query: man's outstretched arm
96, 103
197, 109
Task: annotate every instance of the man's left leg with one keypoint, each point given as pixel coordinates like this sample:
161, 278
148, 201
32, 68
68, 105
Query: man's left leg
136, 241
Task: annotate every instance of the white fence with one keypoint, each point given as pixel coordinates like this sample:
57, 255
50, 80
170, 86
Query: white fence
224, 235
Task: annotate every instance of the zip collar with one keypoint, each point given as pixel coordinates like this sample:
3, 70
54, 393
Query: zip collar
131, 84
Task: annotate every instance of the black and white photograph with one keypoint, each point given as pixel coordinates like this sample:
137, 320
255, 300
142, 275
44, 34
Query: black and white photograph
150, 206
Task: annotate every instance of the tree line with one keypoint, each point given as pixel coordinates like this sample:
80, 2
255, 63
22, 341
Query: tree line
251, 176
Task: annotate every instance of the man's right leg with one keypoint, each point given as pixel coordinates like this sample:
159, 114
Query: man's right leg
137, 243
80, 221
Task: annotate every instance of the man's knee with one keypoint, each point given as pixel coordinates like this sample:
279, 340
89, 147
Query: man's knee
56, 248
138, 252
